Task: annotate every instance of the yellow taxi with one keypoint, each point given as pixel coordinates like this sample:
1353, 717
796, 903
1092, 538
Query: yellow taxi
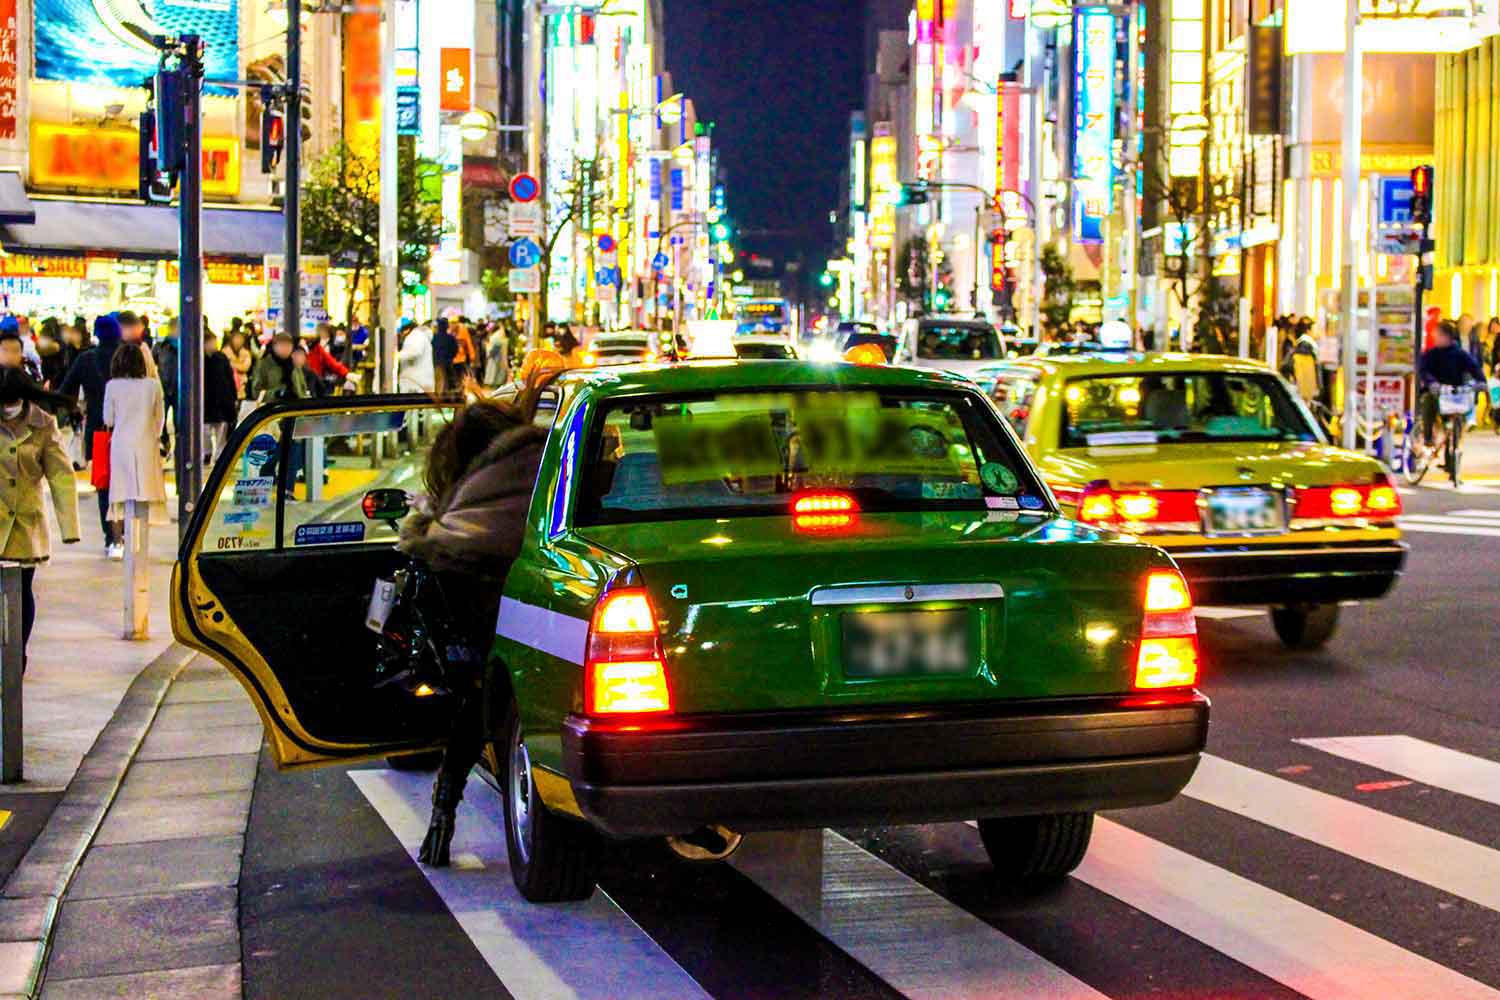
1217, 461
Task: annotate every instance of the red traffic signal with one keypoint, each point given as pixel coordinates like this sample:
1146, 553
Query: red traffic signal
1421, 195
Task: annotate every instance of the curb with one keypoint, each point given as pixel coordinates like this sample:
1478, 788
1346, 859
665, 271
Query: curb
37, 885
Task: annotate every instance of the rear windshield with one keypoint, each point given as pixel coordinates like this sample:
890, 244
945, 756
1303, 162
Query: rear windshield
763, 352
1164, 407
958, 343
747, 453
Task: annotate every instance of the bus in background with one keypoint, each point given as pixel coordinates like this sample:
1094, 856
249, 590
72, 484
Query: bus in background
764, 316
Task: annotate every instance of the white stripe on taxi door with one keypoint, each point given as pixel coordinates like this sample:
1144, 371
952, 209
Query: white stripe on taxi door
564, 951
1419, 760
1441, 860
922, 945
563, 636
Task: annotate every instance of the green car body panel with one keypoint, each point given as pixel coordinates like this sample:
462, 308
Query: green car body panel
747, 638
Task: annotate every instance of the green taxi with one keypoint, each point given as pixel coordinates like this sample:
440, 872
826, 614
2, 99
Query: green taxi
1216, 461
753, 595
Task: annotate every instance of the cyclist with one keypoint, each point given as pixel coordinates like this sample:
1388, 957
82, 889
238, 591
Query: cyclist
1446, 363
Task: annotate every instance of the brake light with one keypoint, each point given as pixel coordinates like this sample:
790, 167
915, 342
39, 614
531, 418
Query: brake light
1168, 655
1135, 510
824, 503
624, 669
1326, 503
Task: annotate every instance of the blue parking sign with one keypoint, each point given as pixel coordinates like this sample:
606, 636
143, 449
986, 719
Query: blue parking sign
1395, 201
660, 262
525, 253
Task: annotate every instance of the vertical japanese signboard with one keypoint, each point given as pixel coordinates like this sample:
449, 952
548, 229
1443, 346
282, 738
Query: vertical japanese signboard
8, 69
1093, 124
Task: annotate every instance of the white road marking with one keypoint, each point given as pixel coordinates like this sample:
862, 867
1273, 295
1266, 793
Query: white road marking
571, 951
1297, 945
1439, 526
922, 945
1452, 770
1491, 515
1451, 864
1228, 614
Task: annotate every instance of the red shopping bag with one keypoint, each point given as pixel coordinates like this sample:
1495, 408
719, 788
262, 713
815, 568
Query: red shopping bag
99, 474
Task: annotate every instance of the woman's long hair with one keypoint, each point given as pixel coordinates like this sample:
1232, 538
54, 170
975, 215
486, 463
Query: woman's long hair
472, 430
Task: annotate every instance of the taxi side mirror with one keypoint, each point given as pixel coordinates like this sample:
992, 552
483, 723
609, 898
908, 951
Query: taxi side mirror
386, 505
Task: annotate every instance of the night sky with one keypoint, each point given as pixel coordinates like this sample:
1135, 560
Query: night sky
779, 81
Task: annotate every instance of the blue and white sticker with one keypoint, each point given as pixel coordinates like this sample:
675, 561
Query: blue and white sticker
1002, 503
242, 517
329, 534
1032, 503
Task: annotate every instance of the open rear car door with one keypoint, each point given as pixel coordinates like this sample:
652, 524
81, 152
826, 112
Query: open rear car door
275, 574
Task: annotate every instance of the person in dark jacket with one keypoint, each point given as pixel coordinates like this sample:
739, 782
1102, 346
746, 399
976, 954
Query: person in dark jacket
221, 407
468, 529
89, 374
164, 353
444, 350
1445, 364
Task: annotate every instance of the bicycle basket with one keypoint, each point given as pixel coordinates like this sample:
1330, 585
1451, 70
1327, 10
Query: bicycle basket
1454, 400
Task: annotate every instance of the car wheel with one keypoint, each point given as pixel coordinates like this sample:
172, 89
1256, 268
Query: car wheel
552, 858
427, 760
1307, 626
1029, 850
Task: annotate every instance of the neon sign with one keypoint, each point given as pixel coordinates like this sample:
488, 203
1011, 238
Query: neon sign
1093, 125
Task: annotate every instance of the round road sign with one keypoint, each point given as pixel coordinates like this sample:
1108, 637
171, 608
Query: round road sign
525, 253
606, 243
524, 187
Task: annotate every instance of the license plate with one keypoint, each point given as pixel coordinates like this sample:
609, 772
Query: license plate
1244, 512
907, 643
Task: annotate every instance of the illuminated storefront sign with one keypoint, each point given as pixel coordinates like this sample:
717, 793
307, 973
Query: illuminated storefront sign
1386, 26
106, 160
1093, 125
89, 43
884, 186
20, 265
223, 272
457, 88
362, 82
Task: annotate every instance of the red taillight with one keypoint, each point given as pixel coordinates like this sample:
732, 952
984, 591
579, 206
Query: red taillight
1378, 500
624, 669
1131, 510
1168, 655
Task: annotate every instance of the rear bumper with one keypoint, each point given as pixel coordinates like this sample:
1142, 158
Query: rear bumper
1309, 573
898, 765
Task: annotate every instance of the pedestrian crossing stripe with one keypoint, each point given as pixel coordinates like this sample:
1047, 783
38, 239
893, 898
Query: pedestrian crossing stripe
1472, 522
1450, 770
925, 945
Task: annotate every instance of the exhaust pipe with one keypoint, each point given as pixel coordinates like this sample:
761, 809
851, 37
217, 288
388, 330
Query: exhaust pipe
706, 844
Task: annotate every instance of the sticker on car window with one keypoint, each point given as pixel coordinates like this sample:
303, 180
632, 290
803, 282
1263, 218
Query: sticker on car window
255, 492
329, 534
1002, 503
1106, 438
1032, 503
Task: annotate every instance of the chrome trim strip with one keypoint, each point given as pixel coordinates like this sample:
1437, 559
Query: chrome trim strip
1362, 550
904, 594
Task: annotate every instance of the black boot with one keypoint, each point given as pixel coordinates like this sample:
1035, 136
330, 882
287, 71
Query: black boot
447, 793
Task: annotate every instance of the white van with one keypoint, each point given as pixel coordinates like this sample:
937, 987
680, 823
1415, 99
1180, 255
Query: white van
950, 343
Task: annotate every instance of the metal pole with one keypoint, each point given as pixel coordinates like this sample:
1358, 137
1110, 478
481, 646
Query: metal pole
291, 284
978, 248
1132, 149
190, 288
1034, 84
137, 570
12, 666
535, 116
390, 261
1353, 104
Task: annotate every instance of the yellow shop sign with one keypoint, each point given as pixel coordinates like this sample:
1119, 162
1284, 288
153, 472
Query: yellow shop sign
107, 160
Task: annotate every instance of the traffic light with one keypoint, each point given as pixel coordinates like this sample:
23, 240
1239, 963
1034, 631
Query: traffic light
720, 232
1421, 195
171, 141
155, 187
826, 279
942, 300
912, 194
272, 131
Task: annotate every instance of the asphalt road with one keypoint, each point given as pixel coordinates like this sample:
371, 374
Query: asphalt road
1369, 867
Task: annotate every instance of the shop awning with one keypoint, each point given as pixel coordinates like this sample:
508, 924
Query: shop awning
14, 205
146, 231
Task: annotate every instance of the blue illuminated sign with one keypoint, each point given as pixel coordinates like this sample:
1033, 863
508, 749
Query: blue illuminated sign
1093, 124
83, 41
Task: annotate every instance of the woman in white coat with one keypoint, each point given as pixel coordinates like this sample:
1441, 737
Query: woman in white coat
135, 414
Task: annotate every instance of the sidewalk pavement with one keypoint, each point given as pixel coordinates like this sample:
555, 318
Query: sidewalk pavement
1481, 454
79, 666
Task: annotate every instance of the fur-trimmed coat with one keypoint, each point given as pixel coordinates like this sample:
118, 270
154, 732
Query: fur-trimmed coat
477, 528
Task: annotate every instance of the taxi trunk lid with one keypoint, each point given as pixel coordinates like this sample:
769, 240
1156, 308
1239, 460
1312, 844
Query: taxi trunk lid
756, 614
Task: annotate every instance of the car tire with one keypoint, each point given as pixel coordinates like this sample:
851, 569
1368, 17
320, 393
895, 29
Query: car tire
1306, 626
553, 859
427, 760
1033, 850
